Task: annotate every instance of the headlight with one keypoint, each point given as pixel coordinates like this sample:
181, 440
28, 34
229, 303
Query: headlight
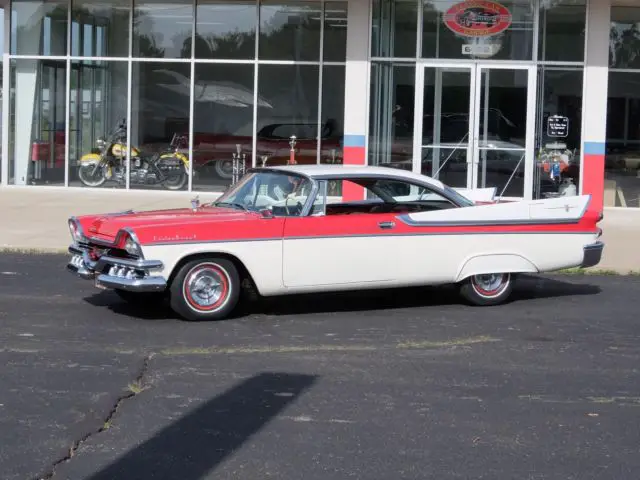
100, 142
131, 244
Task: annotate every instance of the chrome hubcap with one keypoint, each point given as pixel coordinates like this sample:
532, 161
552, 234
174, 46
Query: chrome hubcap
206, 287
489, 282
490, 285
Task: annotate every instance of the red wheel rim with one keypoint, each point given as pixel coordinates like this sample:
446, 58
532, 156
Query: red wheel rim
490, 285
206, 287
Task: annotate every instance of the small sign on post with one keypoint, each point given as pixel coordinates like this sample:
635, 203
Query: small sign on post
557, 126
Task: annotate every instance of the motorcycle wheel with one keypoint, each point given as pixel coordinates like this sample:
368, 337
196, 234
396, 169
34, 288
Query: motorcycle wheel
84, 174
176, 182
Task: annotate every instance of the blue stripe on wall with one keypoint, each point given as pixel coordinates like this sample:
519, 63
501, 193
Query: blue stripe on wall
354, 141
594, 148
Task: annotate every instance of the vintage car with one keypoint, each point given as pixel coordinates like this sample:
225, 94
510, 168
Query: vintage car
286, 230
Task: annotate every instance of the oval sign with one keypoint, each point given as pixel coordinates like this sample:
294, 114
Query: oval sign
477, 18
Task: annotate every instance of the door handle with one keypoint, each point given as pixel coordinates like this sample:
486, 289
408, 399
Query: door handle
386, 224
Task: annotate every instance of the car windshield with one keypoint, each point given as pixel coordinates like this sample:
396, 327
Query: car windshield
282, 193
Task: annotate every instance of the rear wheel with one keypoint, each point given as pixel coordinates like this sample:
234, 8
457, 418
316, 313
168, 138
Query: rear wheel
487, 289
205, 289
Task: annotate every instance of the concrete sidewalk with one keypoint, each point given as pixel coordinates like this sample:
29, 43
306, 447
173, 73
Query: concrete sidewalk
36, 218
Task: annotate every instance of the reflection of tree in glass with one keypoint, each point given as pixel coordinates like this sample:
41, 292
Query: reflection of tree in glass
279, 39
624, 49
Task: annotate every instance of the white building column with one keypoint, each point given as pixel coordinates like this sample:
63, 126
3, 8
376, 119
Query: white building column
594, 101
4, 124
356, 97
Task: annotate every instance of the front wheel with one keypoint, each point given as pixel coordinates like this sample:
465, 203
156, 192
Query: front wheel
92, 175
487, 289
205, 289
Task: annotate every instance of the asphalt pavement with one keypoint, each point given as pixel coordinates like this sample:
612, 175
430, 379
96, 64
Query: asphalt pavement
375, 385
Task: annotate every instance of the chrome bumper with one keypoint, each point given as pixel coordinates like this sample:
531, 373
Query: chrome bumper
117, 273
592, 254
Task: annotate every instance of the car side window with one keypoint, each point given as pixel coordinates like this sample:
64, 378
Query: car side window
397, 191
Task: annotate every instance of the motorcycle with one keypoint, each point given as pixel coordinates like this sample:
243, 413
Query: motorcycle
168, 167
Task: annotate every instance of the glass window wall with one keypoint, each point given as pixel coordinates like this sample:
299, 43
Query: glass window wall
98, 108
290, 31
99, 28
557, 160
291, 109
478, 30
622, 159
239, 77
225, 30
391, 118
222, 123
37, 122
562, 30
39, 28
455, 43
159, 128
162, 29
332, 114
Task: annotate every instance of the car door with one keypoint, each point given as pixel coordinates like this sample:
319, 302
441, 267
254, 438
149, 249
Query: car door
335, 250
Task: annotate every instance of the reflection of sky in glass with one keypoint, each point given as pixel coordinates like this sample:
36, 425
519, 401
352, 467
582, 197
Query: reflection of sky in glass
168, 24
219, 19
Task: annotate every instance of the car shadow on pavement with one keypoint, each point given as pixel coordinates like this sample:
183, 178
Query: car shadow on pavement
527, 287
191, 447
143, 311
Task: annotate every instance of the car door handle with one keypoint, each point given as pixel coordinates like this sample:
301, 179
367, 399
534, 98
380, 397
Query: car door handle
386, 224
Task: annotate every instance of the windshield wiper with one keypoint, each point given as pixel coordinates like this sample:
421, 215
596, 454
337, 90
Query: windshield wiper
232, 204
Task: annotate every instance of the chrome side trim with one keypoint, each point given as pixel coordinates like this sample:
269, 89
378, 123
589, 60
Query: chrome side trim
149, 284
483, 223
365, 235
127, 263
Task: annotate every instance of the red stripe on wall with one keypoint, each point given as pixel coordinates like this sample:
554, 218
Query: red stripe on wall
593, 180
353, 156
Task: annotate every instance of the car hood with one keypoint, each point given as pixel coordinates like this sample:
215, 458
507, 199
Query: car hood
155, 224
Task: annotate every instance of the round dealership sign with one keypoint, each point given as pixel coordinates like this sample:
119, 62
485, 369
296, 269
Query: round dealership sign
477, 18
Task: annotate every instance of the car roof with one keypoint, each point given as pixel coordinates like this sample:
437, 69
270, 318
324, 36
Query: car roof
341, 170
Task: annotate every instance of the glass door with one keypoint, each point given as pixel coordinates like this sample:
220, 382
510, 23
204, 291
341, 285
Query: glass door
474, 126
504, 130
445, 99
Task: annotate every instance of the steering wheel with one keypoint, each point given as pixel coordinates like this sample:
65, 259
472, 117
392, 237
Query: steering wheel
298, 206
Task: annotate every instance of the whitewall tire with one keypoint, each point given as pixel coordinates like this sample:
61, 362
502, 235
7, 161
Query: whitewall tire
487, 289
205, 289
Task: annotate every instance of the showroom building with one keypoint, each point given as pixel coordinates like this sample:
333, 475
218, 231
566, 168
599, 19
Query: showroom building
536, 98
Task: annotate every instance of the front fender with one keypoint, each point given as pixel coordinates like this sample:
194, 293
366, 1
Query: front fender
90, 158
495, 263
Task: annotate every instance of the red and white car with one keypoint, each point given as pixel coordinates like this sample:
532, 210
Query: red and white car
286, 230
